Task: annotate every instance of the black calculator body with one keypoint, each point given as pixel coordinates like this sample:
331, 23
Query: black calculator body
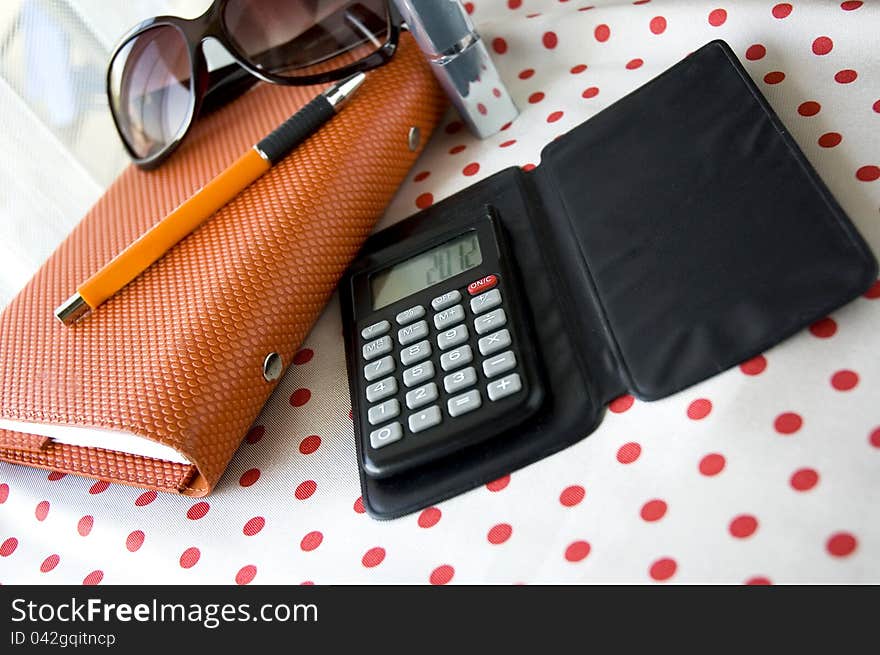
441, 355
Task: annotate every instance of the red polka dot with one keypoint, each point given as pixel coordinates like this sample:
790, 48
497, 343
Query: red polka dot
49, 563
536, 97
197, 511
54, 476
577, 70
4, 492
754, 366
743, 526
620, 404
804, 479
712, 464
300, 397
830, 139
507, 144
422, 176
499, 45
500, 533
809, 108
429, 517
359, 505
874, 292
653, 510
499, 484
788, 423
469, 7
145, 498
663, 569
528, 167
602, 33
255, 434
555, 116
42, 510
868, 173
874, 438
755, 52
876, 106
303, 356
93, 578
306, 489
590, 92
311, 541
85, 525
841, 544
550, 40
442, 575
822, 45
506, 126
190, 557
577, 551
253, 526
471, 169
774, 77
851, 5
454, 150
845, 76
373, 557
782, 10
246, 574
8, 547
717, 17
844, 380
699, 409
823, 328
758, 580
482, 108
629, 452
134, 541
453, 127
633, 64
425, 200
310, 444
99, 487
572, 495
658, 25
526, 73
514, 4
249, 477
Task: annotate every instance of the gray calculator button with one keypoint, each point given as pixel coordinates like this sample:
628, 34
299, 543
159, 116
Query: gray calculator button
455, 358
499, 364
406, 335
381, 389
466, 402
424, 419
492, 343
506, 386
381, 346
449, 317
452, 337
383, 411
421, 396
376, 329
459, 380
378, 369
491, 321
414, 353
410, 315
447, 299
386, 434
486, 301
418, 374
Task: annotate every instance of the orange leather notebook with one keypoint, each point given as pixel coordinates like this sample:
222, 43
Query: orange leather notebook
158, 387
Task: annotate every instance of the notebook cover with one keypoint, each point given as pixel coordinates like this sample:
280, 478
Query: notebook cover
177, 356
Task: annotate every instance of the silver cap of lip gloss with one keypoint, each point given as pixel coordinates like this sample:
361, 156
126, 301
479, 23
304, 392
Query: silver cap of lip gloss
461, 62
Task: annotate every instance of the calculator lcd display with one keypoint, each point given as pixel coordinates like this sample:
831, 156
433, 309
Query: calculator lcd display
427, 269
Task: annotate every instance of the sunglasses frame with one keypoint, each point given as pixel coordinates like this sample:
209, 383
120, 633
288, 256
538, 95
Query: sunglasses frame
226, 83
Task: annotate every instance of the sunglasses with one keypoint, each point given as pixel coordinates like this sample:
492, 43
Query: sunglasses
158, 81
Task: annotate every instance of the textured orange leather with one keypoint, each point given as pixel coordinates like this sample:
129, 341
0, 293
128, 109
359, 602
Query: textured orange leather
177, 356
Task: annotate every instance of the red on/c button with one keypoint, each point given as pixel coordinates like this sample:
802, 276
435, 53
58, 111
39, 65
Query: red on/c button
483, 284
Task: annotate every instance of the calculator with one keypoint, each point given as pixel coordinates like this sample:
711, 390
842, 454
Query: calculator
439, 351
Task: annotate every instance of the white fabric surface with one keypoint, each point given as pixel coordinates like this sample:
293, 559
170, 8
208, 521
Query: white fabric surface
767, 472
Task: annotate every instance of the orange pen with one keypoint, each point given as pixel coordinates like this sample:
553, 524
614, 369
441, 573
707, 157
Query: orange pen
190, 214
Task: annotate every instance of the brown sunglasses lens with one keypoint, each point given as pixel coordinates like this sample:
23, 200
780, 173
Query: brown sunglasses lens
151, 92
293, 39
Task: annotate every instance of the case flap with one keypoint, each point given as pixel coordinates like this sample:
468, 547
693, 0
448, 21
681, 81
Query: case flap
706, 234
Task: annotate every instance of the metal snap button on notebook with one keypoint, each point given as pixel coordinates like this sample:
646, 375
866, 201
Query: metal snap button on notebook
414, 138
272, 366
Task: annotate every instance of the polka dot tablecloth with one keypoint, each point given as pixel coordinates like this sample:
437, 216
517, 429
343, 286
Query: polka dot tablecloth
767, 473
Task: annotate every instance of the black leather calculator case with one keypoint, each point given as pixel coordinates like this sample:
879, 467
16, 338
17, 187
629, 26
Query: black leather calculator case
670, 237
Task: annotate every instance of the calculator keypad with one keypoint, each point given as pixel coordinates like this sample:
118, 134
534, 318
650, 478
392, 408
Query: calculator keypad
471, 372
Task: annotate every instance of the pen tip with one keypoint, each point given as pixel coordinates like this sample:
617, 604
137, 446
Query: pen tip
338, 94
